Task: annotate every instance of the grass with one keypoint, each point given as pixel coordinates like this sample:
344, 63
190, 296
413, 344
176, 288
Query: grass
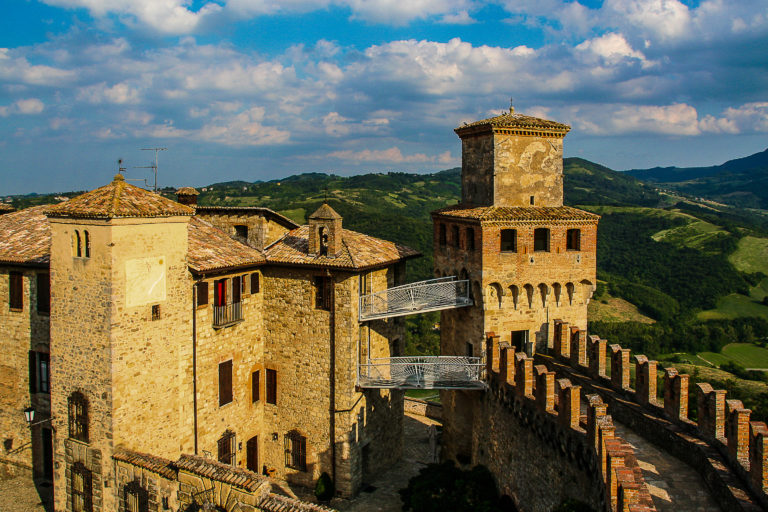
695, 234
736, 305
424, 394
751, 255
747, 355
297, 215
615, 309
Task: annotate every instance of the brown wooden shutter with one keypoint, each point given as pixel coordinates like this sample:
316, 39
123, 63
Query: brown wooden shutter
255, 282
236, 289
202, 293
32, 371
225, 382
255, 386
252, 454
271, 386
16, 294
43, 293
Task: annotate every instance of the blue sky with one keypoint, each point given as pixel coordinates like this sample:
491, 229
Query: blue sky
261, 89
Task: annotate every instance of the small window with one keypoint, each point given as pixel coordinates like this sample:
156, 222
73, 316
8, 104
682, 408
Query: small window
323, 293
226, 446
455, 236
81, 488
441, 235
16, 290
87, 244
469, 350
508, 240
573, 240
202, 294
255, 282
272, 387
44, 293
255, 388
241, 233
136, 497
470, 239
296, 451
78, 416
541, 240
532, 201
155, 312
39, 372
225, 382
77, 245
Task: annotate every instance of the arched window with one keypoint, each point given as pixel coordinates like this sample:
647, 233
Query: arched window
541, 240
81, 487
570, 289
77, 245
136, 497
557, 288
323, 240
295, 450
515, 292
544, 292
78, 416
87, 244
529, 294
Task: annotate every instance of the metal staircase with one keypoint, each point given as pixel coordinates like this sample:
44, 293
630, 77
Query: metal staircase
419, 297
422, 372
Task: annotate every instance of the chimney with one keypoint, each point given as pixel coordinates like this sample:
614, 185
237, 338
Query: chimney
187, 196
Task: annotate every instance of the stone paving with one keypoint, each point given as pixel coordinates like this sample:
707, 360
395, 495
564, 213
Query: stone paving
674, 485
21, 495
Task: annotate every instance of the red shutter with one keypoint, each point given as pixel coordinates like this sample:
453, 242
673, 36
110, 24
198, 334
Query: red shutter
220, 293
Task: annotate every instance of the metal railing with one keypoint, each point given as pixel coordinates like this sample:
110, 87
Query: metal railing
422, 372
227, 314
419, 297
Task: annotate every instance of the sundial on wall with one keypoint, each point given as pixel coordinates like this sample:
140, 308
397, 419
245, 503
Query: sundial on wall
145, 281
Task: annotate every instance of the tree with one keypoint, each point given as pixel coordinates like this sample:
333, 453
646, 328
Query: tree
443, 487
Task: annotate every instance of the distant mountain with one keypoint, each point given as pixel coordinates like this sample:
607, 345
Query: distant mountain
741, 182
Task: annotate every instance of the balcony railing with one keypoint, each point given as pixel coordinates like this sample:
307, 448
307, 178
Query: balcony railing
420, 297
424, 372
227, 314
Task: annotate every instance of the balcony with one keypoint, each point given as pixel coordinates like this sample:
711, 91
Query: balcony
227, 314
422, 372
420, 297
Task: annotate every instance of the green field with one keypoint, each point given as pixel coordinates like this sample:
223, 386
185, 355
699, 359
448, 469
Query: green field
744, 354
424, 394
736, 305
751, 255
695, 234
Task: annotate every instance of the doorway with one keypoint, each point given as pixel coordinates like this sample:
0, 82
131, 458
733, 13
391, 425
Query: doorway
252, 454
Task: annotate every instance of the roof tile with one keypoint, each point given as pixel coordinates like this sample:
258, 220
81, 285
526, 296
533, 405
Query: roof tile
25, 236
159, 465
212, 249
518, 213
512, 120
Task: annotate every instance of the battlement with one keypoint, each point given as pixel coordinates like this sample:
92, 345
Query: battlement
532, 391
722, 443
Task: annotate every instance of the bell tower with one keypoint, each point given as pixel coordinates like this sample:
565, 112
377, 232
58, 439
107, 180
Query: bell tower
530, 259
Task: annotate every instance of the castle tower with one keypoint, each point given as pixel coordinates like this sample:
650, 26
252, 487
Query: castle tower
530, 260
121, 295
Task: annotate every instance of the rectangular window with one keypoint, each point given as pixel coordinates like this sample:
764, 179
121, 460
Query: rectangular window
252, 454
323, 288
470, 239
455, 236
272, 386
225, 382
255, 376
541, 240
156, 312
44, 293
39, 372
296, 451
202, 294
508, 240
220, 292
77, 406
226, 448
573, 240
441, 235
255, 282
16, 290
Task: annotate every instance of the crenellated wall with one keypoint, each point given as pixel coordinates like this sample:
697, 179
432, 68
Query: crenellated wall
723, 445
529, 415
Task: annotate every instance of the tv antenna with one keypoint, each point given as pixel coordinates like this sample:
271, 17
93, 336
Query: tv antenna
153, 167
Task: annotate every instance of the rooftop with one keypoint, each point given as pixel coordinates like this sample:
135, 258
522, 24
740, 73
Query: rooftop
221, 472
266, 212
212, 249
515, 121
359, 251
159, 465
118, 199
518, 213
25, 237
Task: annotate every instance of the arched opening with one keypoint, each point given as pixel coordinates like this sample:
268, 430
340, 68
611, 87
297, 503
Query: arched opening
77, 245
323, 237
557, 289
569, 288
587, 288
87, 244
514, 292
529, 294
543, 293
494, 295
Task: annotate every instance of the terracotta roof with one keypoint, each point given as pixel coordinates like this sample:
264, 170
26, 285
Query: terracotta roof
159, 465
242, 478
358, 251
212, 249
266, 212
118, 199
325, 212
25, 236
518, 213
187, 191
512, 120
277, 503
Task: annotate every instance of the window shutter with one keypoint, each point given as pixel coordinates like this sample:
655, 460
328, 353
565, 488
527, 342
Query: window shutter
271, 386
236, 289
255, 386
202, 293
255, 282
16, 294
43, 293
225, 382
32, 371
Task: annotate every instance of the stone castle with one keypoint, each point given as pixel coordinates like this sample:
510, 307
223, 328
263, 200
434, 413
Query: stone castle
179, 357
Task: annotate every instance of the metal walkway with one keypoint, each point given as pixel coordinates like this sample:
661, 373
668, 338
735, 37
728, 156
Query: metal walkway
419, 297
422, 372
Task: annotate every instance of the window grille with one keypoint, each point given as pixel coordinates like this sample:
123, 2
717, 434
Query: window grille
323, 288
78, 416
296, 451
81, 488
226, 446
136, 498
156, 312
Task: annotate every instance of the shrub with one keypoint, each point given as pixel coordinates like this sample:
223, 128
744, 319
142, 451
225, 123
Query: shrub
324, 490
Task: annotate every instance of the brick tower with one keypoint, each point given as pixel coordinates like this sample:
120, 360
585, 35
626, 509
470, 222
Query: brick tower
530, 260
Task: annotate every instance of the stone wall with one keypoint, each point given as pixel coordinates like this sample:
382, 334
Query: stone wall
21, 331
261, 231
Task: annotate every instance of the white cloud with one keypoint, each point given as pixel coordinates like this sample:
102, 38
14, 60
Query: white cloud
392, 155
612, 49
19, 70
101, 93
242, 129
29, 106
750, 117
675, 119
